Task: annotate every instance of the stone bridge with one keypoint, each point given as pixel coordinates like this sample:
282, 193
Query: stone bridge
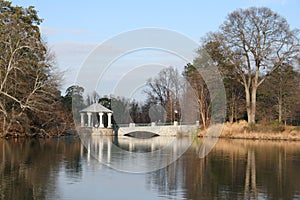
141, 131
164, 130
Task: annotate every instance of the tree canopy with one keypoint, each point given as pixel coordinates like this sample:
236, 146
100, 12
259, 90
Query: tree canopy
28, 85
250, 45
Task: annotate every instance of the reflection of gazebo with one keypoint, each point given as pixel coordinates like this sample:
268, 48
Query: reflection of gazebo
99, 110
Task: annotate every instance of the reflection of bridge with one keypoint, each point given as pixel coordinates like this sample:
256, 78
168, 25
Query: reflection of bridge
132, 154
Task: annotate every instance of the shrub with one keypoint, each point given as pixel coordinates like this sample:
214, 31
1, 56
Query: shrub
265, 128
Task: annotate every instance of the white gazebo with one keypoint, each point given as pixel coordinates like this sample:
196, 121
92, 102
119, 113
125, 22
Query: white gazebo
99, 110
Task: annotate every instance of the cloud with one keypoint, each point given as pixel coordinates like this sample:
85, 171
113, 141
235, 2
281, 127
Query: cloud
71, 54
70, 58
91, 64
56, 31
88, 60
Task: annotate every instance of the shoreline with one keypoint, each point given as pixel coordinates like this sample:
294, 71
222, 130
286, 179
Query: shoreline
237, 130
261, 132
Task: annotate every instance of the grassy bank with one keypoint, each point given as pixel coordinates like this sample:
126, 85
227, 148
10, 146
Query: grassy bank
272, 131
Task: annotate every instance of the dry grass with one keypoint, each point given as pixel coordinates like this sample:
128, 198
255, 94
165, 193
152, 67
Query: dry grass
242, 130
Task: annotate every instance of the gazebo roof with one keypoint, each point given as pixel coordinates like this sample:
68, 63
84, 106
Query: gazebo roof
96, 108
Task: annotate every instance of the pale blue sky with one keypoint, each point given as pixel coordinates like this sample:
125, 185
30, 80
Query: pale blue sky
74, 28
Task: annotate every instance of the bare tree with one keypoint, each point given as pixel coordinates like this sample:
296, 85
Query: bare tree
255, 42
28, 85
92, 98
165, 90
200, 91
282, 87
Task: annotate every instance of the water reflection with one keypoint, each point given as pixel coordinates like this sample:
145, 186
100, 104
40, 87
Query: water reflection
29, 168
135, 155
235, 169
65, 169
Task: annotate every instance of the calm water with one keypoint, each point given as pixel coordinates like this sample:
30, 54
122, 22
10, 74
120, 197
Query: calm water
235, 169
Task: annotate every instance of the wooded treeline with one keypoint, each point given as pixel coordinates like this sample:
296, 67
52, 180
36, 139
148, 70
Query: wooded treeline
255, 50
257, 54
30, 100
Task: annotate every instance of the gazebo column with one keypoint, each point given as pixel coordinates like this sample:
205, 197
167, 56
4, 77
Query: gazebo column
82, 119
89, 119
101, 120
109, 116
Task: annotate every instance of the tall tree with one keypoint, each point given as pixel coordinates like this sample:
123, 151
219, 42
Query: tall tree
282, 87
135, 111
105, 101
92, 98
200, 91
235, 94
255, 42
121, 108
73, 101
28, 85
165, 90
74, 94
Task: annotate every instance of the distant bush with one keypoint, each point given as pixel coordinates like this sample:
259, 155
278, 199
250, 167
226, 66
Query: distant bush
274, 127
296, 129
251, 128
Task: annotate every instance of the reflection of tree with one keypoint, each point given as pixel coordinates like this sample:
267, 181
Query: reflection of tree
28, 168
250, 177
278, 170
233, 170
166, 180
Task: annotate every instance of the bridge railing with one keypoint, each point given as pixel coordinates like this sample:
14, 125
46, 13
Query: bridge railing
157, 124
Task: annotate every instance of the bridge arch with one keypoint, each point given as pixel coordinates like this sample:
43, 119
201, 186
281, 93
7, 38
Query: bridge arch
141, 134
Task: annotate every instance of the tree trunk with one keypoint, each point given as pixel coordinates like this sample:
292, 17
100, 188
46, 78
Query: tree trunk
232, 108
253, 104
235, 111
279, 110
203, 118
280, 100
231, 115
248, 104
4, 127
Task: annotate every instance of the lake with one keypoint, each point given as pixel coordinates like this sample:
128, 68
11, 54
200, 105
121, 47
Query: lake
62, 168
